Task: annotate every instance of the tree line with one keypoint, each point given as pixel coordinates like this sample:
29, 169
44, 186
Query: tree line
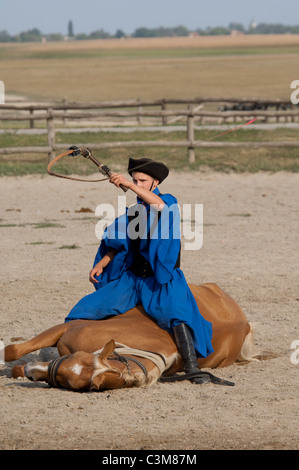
142, 32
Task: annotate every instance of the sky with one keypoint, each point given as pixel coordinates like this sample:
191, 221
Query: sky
52, 16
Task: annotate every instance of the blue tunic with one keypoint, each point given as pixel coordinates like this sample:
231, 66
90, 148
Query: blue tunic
165, 296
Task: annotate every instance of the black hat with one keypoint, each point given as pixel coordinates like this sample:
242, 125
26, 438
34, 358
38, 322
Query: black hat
154, 169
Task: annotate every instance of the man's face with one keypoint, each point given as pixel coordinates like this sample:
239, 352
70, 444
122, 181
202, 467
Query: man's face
144, 181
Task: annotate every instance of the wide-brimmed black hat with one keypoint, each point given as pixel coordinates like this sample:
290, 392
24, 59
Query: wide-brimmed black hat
150, 167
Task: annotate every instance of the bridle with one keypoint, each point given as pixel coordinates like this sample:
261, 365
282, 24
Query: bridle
125, 360
156, 358
53, 369
126, 355
55, 364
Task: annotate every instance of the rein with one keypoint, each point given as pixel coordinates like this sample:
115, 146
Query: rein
157, 358
125, 360
54, 365
193, 375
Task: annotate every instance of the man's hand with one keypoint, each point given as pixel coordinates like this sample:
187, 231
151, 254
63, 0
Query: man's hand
101, 265
118, 179
96, 271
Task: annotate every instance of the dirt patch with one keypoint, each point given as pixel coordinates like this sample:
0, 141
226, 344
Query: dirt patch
250, 249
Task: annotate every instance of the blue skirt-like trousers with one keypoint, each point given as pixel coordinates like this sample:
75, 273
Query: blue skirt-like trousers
168, 304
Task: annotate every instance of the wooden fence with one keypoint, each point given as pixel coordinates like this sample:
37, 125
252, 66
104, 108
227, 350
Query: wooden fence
197, 109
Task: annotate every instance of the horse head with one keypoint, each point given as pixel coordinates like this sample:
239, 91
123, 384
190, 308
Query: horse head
78, 371
91, 371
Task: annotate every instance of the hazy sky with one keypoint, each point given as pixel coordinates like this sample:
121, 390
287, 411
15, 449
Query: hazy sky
52, 16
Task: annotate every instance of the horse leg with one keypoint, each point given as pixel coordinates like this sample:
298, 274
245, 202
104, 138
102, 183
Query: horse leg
43, 340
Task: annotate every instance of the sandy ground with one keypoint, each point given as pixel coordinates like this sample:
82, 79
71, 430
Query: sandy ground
250, 249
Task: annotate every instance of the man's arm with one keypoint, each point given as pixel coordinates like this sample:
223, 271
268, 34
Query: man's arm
101, 265
147, 196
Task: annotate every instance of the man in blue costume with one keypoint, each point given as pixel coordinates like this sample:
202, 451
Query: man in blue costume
138, 262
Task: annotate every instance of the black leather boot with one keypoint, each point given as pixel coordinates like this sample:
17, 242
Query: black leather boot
184, 341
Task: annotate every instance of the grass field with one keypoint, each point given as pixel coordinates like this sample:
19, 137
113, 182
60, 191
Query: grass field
238, 160
243, 66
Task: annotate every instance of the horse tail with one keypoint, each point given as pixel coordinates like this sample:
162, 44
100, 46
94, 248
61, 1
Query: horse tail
248, 351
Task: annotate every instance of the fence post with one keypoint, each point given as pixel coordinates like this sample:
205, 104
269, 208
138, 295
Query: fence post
31, 121
139, 119
164, 118
51, 134
65, 110
190, 135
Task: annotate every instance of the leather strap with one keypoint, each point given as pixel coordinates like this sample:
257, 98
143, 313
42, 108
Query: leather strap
87, 154
64, 154
53, 369
193, 375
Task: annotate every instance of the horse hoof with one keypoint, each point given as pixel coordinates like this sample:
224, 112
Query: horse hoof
18, 371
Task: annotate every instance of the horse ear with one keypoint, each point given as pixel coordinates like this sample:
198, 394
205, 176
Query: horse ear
97, 382
107, 350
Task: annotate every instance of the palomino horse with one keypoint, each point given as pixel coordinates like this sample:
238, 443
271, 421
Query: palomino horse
131, 349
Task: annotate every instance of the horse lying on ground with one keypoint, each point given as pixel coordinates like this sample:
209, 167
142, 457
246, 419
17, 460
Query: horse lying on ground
131, 350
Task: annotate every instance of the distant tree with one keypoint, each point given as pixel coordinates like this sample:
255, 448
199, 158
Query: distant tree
181, 31
5, 37
236, 27
201, 32
54, 37
160, 32
142, 32
219, 31
262, 28
99, 34
35, 32
32, 35
82, 36
119, 34
278, 28
70, 29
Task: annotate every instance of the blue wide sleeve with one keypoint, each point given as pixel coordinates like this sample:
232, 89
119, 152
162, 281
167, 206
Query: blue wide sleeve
165, 241
114, 237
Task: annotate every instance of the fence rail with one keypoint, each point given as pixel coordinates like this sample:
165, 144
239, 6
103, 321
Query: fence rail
246, 109
136, 103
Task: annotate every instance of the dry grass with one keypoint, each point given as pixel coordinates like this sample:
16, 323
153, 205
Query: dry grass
267, 40
245, 66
